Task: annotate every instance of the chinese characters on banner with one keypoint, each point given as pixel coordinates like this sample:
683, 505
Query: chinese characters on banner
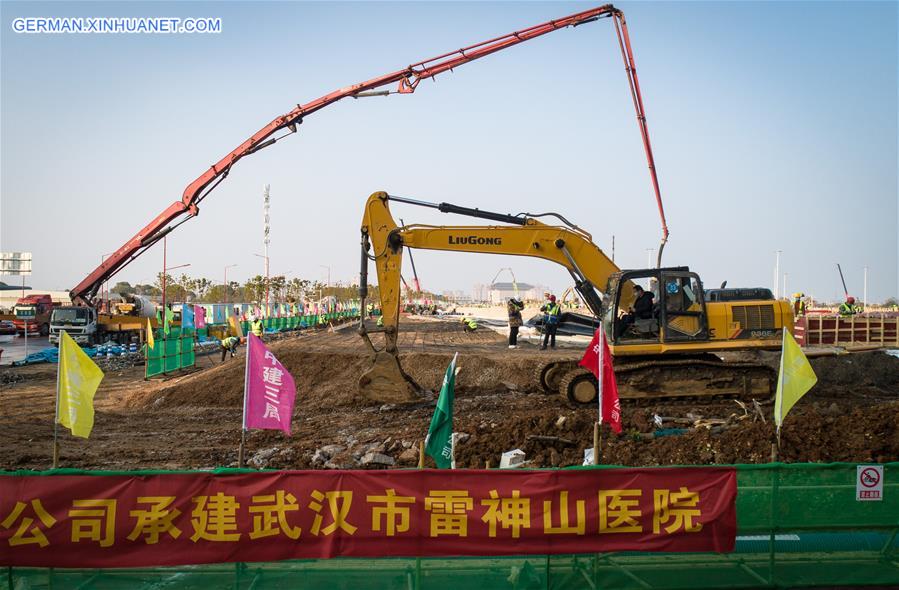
192, 518
270, 390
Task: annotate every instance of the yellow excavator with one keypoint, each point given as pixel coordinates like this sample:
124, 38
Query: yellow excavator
672, 354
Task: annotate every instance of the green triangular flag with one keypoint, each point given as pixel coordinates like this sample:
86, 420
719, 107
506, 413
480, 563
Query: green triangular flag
439, 443
169, 317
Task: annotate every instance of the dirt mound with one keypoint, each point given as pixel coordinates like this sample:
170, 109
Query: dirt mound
327, 370
858, 371
193, 421
319, 376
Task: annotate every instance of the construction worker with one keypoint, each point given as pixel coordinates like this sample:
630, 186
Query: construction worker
848, 307
514, 308
230, 344
552, 312
380, 322
469, 324
256, 326
641, 309
799, 305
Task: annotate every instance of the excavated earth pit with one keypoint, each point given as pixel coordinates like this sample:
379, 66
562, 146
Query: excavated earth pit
192, 420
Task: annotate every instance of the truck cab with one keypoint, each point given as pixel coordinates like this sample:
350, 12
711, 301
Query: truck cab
79, 322
34, 312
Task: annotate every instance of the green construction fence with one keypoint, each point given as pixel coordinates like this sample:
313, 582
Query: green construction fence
302, 322
799, 525
171, 352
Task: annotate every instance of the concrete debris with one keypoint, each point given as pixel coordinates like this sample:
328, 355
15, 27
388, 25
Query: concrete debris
9, 377
588, 456
332, 450
408, 457
512, 459
365, 449
377, 459
261, 458
561, 421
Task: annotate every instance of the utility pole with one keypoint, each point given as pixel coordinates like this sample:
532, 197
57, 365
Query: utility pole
613, 247
164, 249
267, 227
865, 293
649, 252
785, 286
777, 273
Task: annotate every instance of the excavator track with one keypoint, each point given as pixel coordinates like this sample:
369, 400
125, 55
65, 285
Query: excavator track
675, 379
549, 374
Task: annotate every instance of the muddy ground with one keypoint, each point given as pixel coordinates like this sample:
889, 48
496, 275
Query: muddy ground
193, 420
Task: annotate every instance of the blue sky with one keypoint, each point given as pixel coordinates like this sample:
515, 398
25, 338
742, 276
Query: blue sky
774, 127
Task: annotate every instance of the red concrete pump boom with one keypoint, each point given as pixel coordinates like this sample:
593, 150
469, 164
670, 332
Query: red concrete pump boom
407, 80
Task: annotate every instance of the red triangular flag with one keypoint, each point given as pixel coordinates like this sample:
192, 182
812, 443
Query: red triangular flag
610, 407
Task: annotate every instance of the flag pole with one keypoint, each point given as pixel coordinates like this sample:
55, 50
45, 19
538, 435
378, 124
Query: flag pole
779, 402
597, 428
62, 336
243, 422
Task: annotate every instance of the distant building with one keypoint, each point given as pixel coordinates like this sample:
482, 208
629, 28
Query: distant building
480, 293
501, 292
456, 296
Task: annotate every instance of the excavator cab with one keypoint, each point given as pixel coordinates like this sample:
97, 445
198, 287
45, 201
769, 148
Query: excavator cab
678, 312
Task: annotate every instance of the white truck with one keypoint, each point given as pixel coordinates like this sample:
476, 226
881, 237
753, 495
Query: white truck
87, 327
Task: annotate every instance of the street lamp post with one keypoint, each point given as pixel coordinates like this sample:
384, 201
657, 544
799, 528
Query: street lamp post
776, 272
226, 281
865, 292
164, 271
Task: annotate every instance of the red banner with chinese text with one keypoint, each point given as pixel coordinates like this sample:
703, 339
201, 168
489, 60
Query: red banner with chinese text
193, 518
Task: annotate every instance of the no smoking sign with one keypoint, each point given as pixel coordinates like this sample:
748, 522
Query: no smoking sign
869, 482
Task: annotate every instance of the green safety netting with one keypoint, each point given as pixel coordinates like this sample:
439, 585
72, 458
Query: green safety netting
171, 352
799, 525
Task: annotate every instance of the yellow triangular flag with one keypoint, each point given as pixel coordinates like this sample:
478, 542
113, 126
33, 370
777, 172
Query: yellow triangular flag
151, 342
79, 378
795, 379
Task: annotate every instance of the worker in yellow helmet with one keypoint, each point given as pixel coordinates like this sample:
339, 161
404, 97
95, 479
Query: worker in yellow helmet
229, 344
799, 304
256, 326
469, 324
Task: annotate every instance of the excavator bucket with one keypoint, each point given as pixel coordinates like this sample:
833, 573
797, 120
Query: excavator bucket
386, 382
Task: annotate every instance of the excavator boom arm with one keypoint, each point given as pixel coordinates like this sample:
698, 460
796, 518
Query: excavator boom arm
407, 80
588, 265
